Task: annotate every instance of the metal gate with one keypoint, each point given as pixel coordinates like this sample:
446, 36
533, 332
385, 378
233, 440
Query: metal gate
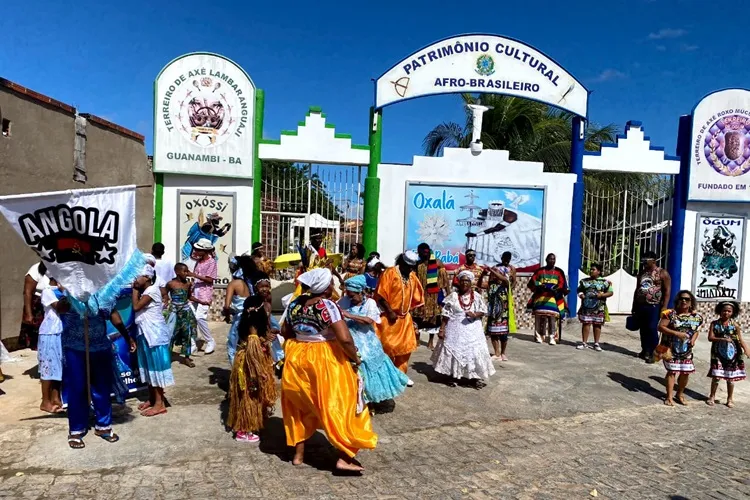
299, 197
618, 226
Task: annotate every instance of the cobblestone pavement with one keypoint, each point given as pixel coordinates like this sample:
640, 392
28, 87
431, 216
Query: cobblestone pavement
553, 423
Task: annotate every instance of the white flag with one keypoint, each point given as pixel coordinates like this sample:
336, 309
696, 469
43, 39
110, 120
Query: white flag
85, 237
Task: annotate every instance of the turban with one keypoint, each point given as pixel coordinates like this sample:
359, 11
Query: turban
466, 275
411, 258
356, 284
318, 280
148, 271
373, 262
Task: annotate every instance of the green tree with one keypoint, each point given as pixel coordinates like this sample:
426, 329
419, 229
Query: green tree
532, 131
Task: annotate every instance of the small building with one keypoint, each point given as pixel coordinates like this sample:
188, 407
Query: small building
47, 145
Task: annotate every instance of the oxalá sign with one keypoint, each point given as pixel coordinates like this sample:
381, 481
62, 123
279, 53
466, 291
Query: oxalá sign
720, 147
482, 63
204, 117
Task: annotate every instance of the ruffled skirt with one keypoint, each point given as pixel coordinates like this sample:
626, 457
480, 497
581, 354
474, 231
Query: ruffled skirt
155, 363
463, 353
383, 381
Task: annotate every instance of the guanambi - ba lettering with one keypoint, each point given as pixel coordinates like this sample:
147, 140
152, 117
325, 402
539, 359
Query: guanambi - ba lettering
507, 50
204, 158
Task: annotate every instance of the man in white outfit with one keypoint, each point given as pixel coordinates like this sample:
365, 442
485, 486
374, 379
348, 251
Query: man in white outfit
164, 267
204, 274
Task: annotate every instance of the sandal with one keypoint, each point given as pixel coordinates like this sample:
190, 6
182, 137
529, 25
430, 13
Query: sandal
710, 402
189, 363
144, 406
108, 436
730, 404
76, 442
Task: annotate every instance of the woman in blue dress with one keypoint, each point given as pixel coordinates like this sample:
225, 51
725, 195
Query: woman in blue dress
383, 381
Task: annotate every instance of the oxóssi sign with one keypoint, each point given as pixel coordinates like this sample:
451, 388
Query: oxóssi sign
482, 63
204, 117
719, 256
720, 147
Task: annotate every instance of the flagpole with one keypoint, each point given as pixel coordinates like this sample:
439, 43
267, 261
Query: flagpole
88, 362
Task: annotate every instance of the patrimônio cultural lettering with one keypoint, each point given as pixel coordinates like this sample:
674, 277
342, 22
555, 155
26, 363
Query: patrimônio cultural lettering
72, 234
459, 47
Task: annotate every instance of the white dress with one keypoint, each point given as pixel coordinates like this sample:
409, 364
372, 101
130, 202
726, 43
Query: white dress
463, 353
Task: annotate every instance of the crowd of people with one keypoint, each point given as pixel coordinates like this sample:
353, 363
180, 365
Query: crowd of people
342, 352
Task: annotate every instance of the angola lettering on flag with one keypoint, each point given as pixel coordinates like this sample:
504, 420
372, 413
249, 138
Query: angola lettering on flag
85, 237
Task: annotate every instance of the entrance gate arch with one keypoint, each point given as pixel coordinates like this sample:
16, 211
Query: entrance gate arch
480, 63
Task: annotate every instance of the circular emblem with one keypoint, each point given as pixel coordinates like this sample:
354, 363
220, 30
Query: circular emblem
485, 65
207, 113
727, 145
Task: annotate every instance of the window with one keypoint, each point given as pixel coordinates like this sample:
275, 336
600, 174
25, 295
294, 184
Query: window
6, 127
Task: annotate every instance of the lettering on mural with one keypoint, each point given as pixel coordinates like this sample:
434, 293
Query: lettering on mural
445, 202
507, 50
719, 257
722, 142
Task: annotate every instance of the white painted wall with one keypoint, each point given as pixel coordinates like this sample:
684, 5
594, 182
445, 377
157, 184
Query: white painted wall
243, 188
632, 153
688, 245
315, 143
489, 168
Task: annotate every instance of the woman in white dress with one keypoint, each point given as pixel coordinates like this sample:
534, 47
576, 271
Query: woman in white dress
462, 350
154, 352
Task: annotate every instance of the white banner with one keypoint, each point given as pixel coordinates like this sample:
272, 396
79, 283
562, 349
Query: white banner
482, 63
718, 257
84, 236
204, 115
720, 147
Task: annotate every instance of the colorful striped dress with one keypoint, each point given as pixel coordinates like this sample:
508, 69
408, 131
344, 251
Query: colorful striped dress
548, 287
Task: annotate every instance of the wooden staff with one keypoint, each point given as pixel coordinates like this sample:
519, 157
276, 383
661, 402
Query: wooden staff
88, 362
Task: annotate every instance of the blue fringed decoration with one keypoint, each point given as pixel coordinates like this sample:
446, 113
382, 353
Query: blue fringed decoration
106, 297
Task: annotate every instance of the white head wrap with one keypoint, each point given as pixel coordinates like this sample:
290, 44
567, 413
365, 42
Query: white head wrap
373, 262
286, 300
150, 259
411, 257
466, 275
148, 271
318, 280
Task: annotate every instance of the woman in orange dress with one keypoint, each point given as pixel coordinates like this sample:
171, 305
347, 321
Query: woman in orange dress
398, 293
320, 385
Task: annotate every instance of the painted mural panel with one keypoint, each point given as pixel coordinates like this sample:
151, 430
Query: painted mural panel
488, 219
210, 216
719, 257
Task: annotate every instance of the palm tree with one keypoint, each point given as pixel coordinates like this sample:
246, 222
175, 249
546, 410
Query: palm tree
532, 131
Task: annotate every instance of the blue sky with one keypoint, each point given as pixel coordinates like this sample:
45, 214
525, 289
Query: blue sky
647, 60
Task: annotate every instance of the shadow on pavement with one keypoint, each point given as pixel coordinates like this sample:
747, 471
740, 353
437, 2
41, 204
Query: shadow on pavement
318, 451
428, 371
618, 349
636, 385
219, 377
32, 372
688, 392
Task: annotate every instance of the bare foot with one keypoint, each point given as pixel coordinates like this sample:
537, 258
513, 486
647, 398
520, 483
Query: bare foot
711, 401
153, 411
681, 400
430, 347
730, 404
299, 458
49, 407
144, 406
342, 464
669, 402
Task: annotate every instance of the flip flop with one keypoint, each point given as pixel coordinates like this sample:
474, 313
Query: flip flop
108, 436
76, 442
150, 412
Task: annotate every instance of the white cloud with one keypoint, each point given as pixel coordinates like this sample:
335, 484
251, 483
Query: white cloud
667, 33
609, 74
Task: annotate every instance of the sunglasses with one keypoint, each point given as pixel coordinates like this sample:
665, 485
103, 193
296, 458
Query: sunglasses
683, 299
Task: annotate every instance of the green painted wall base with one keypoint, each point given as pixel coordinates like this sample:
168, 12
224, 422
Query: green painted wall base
370, 222
158, 205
